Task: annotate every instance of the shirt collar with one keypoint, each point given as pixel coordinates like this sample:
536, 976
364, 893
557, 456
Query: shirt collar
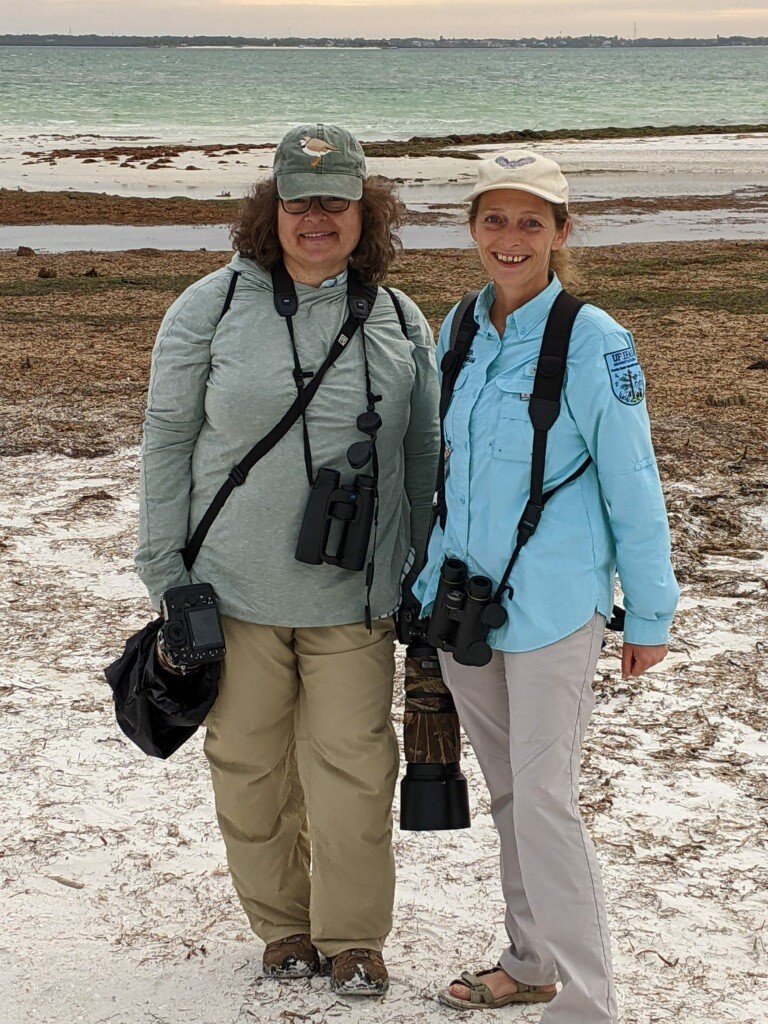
528, 316
331, 282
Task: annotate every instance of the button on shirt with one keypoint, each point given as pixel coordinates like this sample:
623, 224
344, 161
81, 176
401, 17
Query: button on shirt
613, 516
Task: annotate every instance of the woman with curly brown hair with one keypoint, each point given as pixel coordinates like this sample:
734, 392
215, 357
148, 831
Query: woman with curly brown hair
306, 556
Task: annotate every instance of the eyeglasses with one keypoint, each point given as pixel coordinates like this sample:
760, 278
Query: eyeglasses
331, 204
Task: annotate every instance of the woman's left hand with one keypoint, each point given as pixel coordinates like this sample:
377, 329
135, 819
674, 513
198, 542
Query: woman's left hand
638, 658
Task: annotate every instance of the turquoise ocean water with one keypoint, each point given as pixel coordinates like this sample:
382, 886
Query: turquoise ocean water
255, 94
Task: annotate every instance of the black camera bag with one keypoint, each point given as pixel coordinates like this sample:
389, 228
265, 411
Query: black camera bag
156, 709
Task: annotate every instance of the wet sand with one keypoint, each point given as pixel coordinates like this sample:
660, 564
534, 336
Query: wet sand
647, 185
64, 221
645, 166
683, 226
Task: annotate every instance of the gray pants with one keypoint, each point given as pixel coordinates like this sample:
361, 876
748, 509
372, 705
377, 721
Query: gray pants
526, 715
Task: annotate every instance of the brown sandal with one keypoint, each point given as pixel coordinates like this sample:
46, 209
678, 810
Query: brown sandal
481, 997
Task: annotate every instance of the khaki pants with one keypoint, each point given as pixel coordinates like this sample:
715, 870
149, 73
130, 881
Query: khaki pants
526, 715
302, 730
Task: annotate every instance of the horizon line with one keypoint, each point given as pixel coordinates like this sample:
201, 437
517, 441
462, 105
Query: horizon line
372, 39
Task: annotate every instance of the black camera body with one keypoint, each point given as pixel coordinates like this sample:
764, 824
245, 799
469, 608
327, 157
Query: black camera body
348, 507
191, 634
463, 614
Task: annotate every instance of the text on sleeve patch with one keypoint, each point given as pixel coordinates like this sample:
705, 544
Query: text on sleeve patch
627, 380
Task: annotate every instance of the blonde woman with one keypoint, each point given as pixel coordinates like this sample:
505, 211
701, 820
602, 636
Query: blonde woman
526, 710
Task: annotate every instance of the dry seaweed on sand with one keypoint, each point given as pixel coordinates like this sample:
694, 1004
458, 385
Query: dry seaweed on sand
114, 884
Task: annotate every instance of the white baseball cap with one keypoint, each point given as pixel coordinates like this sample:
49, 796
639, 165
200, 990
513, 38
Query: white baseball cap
524, 170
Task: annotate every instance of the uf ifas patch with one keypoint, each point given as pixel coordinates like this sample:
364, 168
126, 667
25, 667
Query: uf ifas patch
627, 378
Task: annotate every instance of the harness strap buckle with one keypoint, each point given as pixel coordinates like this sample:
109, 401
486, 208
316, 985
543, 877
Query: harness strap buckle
237, 476
529, 520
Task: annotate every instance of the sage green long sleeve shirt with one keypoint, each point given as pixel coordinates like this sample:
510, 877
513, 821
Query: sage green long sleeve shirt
215, 390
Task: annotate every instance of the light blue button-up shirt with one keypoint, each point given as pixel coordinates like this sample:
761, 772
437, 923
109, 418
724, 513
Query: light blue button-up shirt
612, 517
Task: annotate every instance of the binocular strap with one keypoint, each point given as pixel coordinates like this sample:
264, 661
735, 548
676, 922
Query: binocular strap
238, 474
372, 400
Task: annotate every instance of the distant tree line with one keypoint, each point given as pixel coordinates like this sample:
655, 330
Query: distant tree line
411, 43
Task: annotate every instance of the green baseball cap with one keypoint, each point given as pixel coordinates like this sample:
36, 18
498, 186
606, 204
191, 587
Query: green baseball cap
319, 160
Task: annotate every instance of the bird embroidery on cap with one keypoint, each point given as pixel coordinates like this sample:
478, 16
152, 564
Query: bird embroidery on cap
316, 148
502, 161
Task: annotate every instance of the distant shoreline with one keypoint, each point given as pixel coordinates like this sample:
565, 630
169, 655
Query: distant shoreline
392, 43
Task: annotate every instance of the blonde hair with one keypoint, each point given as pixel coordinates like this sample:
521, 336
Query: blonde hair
561, 260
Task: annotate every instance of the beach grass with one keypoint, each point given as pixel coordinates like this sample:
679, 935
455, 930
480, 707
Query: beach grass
81, 285
679, 276
75, 348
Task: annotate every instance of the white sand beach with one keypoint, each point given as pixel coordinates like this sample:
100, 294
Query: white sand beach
117, 903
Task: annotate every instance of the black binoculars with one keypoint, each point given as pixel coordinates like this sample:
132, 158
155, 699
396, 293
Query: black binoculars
463, 613
350, 507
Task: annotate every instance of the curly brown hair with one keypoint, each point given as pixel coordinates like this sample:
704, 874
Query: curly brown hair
254, 234
561, 260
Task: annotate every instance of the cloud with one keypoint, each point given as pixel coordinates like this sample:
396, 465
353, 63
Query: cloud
506, 18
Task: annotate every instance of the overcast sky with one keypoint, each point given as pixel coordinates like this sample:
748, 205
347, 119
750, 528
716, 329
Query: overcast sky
510, 18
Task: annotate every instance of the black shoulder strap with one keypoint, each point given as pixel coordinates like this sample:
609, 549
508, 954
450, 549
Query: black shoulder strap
544, 406
361, 298
284, 291
230, 293
463, 319
544, 409
398, 310
287, 304
464, 327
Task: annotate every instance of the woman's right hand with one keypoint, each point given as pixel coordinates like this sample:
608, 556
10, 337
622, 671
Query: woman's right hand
638, 658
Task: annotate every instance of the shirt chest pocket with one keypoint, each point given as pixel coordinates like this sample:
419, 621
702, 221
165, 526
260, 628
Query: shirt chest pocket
513, 440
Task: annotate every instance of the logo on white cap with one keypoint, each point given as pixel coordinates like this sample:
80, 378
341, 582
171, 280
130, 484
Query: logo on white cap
502, 161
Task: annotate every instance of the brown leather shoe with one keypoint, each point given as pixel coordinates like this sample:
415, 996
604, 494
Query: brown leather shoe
359, 972
291, 957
